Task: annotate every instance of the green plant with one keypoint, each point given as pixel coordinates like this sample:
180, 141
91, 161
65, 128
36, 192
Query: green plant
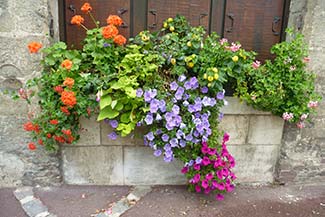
282, 86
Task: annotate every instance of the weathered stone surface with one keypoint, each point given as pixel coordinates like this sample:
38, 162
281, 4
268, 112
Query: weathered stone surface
255, 164
93, 165
237, 127
265, 130
37, 13
236, 107
11, 170
135, 138
12, 107
15, 60
141, 167
90, 132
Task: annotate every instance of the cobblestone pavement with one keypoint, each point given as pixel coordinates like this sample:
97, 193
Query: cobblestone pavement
163, 201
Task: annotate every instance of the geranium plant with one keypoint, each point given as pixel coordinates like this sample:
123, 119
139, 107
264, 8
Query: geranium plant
171, 81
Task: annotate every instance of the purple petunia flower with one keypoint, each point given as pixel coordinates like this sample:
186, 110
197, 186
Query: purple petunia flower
179, 134
189, 137
196, 178
149, 95
162, 105
106, 45
173, 86
182, 126
113, 123
185, 103
158, 132
139, 92
198, 160
175, 109
173, 142
187, 85
221, 95
179, 93
186, 96
194, 83
207, 101
112, 136
165, 137
157, 152
191, 163
182, 143
167, 147
154, 105
150, 136
139, 124
204, 89
149, 119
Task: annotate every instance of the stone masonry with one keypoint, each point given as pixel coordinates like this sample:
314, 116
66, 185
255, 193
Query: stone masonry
21, 22
302, 157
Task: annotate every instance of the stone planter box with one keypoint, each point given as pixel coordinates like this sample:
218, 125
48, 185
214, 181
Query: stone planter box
255, 139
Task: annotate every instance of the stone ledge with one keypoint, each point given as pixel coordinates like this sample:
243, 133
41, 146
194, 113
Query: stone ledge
236, 107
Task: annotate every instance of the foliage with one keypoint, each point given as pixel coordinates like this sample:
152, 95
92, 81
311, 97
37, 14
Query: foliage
282, 86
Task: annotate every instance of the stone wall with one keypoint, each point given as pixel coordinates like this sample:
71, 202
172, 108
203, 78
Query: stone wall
302, 156
21, 22
255, 140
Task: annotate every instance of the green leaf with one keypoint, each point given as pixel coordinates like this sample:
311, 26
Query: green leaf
114, 102
105, 101
107, 112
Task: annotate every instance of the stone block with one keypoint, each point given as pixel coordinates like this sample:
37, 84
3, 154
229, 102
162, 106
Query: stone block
16, 61
237, 127
90, 132
255, 164
237, 107
100, 165
11, 170
6, 16
12, 107
37, 13
265, 130
133, 139
141, 167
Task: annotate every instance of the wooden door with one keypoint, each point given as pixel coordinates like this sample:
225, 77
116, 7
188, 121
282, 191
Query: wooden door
101, 10
257, 25
197, 12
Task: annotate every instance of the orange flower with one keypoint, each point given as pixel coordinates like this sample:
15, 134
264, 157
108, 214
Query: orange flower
33, 47
109, 31
69, 82
31, 146
70, 139
66, 64
77, 20
54, 122
120, 40
29, 126
66, 132
114, 20
68, 98
59, 139
65, 110
40, 141
86, 7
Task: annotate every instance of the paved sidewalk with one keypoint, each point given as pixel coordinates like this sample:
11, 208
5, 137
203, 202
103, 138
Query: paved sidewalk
171, 201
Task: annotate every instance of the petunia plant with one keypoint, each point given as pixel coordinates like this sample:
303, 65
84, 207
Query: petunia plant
172, 82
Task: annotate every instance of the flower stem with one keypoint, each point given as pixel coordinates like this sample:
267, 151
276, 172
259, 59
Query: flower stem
93, 19
84, 27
